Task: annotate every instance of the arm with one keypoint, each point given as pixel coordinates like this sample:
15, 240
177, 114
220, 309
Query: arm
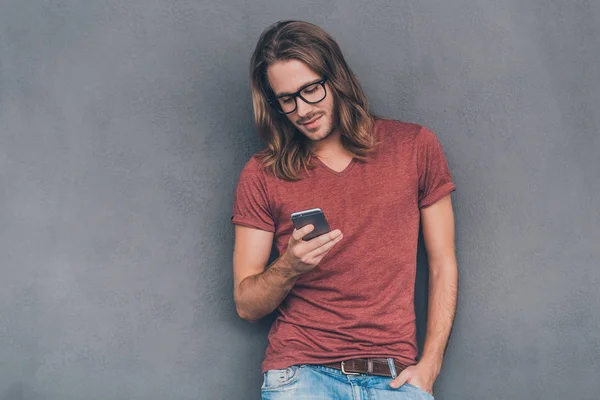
256, 291
438, 231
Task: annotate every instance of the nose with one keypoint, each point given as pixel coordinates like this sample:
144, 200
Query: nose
302, 108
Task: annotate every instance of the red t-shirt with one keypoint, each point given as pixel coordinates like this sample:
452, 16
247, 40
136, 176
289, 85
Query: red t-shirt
359, 301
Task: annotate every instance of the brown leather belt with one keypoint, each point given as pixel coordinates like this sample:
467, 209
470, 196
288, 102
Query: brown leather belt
369, 366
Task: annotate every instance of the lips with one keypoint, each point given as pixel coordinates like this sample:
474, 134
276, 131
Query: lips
312, 121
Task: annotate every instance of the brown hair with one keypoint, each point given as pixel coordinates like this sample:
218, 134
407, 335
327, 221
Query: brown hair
288, 149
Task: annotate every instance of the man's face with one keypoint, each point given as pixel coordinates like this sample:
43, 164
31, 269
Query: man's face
315, 121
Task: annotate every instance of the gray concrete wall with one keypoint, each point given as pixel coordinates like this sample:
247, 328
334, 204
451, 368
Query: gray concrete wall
124, 125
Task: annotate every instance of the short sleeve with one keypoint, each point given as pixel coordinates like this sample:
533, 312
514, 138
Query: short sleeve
435, 181
251, 205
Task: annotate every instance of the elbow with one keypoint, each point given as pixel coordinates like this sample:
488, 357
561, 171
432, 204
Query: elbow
246, 316
242, 311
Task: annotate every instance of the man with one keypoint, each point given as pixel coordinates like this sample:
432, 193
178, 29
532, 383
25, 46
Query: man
346, 324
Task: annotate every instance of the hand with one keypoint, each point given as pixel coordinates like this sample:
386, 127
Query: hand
304, 256
420, 375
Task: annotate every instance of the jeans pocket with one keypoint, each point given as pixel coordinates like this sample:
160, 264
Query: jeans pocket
280, 378
426, 395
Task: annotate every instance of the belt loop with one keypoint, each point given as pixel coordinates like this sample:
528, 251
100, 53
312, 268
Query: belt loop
392, 367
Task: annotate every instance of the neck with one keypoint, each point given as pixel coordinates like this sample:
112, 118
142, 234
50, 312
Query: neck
330, 147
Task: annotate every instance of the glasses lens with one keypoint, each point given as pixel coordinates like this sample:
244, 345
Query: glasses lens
311, 94
314, 93
287, 103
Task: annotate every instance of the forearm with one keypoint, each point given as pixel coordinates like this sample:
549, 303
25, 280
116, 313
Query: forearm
443, 289
258, 295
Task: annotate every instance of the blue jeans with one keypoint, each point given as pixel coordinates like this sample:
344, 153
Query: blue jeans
317, 382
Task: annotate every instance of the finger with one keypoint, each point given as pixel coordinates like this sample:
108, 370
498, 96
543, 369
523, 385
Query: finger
399, 380
319, 251
298, 234
319, 241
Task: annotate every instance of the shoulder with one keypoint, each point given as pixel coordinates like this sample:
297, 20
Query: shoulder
254, 165
252, 173
394, 131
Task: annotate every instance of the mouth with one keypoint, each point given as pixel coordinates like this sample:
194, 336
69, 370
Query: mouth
312, 123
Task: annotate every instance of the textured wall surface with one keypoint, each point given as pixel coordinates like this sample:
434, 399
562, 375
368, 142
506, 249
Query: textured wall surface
123, 128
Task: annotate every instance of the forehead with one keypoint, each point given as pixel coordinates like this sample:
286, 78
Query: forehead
289, 76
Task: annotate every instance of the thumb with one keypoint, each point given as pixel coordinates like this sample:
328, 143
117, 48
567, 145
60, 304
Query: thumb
400, 380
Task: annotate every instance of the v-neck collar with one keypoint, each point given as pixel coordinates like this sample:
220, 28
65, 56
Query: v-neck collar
341, 173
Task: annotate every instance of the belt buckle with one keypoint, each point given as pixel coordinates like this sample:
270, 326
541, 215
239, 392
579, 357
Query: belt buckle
348, 373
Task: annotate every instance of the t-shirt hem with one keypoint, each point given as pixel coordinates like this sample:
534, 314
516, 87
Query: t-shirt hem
438, 194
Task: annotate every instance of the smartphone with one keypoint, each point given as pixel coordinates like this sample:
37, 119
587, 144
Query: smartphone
313, 216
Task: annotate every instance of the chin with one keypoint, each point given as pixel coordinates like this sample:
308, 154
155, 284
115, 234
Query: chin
315, 136
323, 136
322, 133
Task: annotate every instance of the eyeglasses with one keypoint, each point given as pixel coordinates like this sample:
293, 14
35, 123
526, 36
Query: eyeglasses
311, 94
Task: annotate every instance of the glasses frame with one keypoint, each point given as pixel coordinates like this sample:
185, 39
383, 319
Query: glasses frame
273, 100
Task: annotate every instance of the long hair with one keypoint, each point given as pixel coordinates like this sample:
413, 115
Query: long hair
288, 150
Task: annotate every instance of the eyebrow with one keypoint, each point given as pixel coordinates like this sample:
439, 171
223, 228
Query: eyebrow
301, 87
